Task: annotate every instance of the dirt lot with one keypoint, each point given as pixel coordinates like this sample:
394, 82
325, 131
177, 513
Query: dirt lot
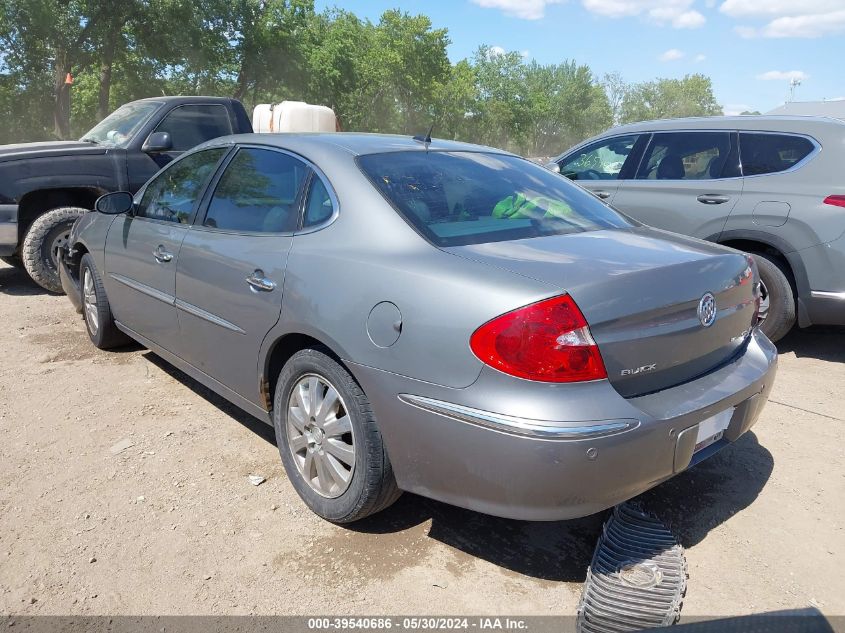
171, 525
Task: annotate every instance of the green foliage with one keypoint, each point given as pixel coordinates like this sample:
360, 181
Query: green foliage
393, 75
669, 98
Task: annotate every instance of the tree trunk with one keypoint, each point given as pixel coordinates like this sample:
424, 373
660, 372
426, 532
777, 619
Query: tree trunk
242, 84
61, 95
106, 65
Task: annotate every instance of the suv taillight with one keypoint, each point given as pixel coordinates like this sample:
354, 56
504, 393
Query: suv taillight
547, 341
836, 201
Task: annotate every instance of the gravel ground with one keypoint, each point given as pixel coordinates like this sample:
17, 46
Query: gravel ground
124, 490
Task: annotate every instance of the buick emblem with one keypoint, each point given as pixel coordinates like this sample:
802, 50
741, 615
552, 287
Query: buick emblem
707, 309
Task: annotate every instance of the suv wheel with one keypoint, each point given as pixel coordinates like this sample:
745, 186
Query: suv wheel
48, 233
777, 308
328, 440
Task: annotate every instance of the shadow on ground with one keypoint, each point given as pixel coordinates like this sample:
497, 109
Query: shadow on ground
15, 282
705, 496
692, 504
823, 343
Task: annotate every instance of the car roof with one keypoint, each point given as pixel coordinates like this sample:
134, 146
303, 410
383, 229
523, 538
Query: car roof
186, 99
354, 143
773, 123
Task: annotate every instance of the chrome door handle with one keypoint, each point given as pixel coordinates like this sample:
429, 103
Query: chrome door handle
712, 198
259, 283
162, 255
604, 195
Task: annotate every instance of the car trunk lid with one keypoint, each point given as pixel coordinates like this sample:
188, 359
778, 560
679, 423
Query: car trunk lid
640, 291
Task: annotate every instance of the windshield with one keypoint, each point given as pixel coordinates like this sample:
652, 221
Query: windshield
458, 198
120, 126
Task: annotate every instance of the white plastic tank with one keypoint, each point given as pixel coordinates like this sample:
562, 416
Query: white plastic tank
293, 116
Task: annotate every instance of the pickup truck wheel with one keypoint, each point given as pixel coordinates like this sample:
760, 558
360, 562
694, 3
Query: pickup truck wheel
777, 310
49, 232
96, 311
328, 440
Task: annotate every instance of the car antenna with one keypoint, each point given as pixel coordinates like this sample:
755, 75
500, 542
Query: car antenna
426, 140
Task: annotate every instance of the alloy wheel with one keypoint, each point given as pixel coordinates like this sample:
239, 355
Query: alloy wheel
319, 435
763, 312
89, 300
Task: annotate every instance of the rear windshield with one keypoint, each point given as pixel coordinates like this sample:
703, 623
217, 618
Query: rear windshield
458, 198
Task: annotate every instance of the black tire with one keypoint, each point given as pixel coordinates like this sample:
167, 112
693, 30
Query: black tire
46, 232
372, 486
104, 333
776, 282
12, 261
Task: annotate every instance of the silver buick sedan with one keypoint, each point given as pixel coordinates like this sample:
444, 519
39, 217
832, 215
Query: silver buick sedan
430, 316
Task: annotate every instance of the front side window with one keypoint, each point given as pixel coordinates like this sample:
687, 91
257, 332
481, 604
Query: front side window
457, 198
689, 156
173, 194
118, 128
191, 125
771, 153
600, 161
258, 192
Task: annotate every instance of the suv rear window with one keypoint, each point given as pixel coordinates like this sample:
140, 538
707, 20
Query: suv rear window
458, 198
771, 153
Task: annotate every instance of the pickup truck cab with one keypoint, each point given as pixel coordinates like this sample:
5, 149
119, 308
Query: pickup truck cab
46, 186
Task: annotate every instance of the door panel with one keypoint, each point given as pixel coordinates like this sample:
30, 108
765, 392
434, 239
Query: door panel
140, 284
223, 319
142, 249
686, 183
231, 270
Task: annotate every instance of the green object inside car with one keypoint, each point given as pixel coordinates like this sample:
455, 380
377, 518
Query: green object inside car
518, 206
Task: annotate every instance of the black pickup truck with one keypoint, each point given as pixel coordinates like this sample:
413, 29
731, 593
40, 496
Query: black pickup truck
45, 187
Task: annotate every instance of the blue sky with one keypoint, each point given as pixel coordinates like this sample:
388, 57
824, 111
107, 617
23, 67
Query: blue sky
750, 48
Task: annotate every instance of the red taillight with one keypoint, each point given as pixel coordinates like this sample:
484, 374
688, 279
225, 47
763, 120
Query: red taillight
836, 201
547, 341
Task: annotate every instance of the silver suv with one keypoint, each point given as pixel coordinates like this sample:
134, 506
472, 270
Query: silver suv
773, 186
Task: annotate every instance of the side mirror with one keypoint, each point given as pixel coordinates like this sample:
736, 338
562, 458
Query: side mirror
157, 142
553, 167
114, 203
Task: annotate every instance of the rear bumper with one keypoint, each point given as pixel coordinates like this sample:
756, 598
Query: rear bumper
69, 283
609, 448
8, 229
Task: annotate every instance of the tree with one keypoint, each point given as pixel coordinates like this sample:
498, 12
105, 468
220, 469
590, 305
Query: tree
669, 98
615, 87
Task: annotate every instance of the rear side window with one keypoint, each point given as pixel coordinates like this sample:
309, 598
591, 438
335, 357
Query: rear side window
690, 156
258, 193
191, 125
319, 206
771, 153
458, 198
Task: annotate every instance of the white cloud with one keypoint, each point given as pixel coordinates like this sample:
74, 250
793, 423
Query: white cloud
524, 9
806, 25
525, 54
671, 55
783, 75
776, 8
679, 13
699, 58
495, 51
787, 18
